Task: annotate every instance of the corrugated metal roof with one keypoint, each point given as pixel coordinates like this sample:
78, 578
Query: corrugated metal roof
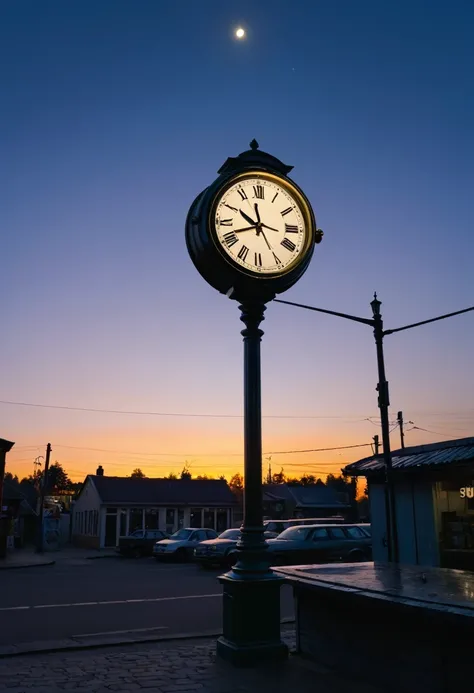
450, 452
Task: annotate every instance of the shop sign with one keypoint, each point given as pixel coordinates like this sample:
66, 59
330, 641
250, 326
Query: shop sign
467, 492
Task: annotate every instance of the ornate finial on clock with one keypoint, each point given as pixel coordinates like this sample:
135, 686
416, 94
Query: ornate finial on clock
254, 144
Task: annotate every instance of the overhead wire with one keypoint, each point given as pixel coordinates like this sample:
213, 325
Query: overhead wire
171, 414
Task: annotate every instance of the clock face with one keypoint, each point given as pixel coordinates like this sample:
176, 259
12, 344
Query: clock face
260, 225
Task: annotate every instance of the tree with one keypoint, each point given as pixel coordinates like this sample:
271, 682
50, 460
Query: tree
203, 477
222, 478
279, 477
57, 479
171, 475
9, 478
185, 473
308, 480
236, 485
138, 474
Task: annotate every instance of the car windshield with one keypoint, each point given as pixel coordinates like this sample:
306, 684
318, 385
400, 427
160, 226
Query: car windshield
181, 534
230, 534
293, 533
137, 533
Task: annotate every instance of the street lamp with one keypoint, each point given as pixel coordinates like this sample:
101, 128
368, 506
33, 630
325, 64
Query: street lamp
383, 400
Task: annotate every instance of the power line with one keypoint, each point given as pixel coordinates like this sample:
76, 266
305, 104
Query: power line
213, 454
169, 414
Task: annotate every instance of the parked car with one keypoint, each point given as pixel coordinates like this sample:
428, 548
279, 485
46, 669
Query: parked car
221, 551
180, 545
279, 526
321, 544
140, 542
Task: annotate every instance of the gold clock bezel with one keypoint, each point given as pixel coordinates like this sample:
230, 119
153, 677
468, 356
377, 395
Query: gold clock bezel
299, 197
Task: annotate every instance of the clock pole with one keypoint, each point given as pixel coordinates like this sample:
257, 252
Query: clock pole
251, 627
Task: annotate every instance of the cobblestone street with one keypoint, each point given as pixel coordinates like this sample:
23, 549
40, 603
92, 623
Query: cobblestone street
163, 668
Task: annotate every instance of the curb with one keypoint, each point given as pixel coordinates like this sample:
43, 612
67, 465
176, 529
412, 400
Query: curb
26, 565
71, 645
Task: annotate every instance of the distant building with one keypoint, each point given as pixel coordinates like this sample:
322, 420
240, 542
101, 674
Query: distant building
108, 507
434, 503
314, 500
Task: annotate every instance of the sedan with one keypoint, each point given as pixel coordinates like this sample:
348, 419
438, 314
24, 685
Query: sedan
221, 551
181, 544
321, 544
140, 542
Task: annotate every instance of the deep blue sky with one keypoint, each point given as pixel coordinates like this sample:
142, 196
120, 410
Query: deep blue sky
115, 114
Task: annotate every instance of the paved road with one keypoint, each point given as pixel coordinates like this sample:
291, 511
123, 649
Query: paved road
105, 596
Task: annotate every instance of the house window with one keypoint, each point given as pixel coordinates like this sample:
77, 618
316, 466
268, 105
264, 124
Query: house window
221, 520
170, 519
180, 518
96, 522
209, 518
195, 518
151, 518
123, 522
136, 519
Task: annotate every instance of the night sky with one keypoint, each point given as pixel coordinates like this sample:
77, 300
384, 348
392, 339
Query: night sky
115, 114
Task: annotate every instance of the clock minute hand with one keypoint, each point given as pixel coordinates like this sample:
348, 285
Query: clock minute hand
247, 218
266, 240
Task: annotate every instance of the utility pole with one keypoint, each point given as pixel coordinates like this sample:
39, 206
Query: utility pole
44, 482
400, 424
269, 474
376, 445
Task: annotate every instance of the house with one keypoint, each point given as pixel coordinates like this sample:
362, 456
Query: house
21, 515
433, 488
110, 507
313, 500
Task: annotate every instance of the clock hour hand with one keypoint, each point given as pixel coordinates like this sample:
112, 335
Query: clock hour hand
246, 228
247, 218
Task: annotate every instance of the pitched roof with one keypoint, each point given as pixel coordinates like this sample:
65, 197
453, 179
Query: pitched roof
311, 496
114, 490
448, 453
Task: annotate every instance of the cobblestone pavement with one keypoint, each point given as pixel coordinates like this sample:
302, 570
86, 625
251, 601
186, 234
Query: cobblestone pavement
163, 668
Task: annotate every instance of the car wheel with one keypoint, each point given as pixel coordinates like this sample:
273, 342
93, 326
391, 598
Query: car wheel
181, 556
231, 559
357, 556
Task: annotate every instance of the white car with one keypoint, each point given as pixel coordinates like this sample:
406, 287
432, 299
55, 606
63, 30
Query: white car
180, 546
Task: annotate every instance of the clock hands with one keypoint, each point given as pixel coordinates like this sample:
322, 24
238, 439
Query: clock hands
266, 240
246, 228
247, 218
271, 228
257, 213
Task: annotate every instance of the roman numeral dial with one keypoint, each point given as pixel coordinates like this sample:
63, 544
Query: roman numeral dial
260, 224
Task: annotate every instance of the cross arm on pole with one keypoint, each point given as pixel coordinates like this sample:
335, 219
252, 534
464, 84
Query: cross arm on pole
354, 318
425, 322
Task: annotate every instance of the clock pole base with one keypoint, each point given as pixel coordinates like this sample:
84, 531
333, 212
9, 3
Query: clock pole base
251, 632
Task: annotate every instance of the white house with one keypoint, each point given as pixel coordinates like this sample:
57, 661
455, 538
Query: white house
111, 507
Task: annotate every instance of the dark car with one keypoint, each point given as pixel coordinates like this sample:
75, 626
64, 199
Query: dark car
221, 551
321, 544
141, 542
278, 526
180, 545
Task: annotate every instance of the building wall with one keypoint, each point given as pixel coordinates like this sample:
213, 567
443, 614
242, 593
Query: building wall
378, 524
416, 526
86, 517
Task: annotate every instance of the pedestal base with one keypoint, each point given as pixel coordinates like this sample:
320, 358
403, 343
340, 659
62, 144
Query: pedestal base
251, 626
